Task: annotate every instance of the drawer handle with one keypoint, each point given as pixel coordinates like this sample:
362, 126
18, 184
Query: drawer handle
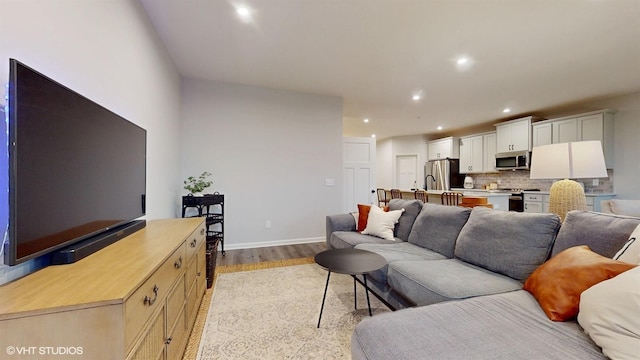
149, 301
194, 243
202, 231
178, 263
168, 341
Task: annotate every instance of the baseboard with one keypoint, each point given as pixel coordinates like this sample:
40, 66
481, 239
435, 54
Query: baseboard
272, 243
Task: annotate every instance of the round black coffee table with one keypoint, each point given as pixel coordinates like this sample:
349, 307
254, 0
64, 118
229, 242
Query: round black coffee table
351, 262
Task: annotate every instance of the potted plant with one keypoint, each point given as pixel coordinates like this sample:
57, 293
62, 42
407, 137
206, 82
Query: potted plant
197, 185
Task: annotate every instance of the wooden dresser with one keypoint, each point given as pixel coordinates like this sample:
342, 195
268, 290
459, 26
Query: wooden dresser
135, 299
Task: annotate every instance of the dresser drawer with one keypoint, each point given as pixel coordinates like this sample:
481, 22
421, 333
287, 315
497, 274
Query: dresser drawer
195, 240
152, 294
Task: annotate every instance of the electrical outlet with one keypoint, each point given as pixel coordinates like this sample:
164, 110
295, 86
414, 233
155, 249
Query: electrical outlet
595, 182
267, 224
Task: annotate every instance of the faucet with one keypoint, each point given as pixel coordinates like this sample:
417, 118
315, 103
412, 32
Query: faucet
426, 181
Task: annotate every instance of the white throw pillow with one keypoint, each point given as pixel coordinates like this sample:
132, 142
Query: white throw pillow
609, 314
381, 223
630, 251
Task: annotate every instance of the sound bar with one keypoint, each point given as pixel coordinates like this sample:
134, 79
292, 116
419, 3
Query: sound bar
84, 248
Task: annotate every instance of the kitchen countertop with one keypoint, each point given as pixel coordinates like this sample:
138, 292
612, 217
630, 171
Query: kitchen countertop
479, 192
586, 194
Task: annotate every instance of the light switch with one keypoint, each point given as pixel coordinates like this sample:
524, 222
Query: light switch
330, 182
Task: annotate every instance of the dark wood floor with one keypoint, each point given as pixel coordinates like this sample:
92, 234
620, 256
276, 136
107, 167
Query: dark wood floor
271, 253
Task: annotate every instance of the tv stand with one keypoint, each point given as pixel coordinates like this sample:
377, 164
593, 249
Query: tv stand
86, 247
137, 299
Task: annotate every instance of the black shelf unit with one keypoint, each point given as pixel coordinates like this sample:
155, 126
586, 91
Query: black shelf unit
212, 207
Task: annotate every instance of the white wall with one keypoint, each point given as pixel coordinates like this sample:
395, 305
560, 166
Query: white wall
108, 52
626, 178
389, 149
270, 152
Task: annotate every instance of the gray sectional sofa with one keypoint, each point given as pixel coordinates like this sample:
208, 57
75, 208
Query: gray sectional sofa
469, 266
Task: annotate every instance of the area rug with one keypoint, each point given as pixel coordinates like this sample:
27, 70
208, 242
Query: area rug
273, 314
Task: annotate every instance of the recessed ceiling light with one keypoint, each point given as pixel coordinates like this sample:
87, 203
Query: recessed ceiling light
243, 11
366, 120
373, 135
464, 63
416, 97
506, 110
439, 127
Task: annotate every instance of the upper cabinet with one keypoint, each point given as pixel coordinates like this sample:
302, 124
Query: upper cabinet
478, 153
489, 148
443, 148
514, 135
471, 155
596, 125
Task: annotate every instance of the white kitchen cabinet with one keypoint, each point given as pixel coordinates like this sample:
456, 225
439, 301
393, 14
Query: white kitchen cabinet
489, 150
536, 203
471, 154
443, 148
581, 127
565, 131
514, 135
541, 134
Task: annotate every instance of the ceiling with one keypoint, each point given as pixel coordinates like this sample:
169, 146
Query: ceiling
530, 56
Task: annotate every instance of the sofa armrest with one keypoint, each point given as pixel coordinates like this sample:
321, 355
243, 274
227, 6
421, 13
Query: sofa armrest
339, 222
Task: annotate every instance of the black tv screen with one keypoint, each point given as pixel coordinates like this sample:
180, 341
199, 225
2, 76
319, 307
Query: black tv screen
76, 169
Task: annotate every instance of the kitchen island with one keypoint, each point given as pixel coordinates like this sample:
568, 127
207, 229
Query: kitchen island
499, 199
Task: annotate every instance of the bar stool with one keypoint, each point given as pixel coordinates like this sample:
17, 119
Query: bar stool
421, 195
396, 194
451, 198
382, 197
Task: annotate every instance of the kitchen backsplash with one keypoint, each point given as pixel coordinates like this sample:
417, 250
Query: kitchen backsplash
519, 179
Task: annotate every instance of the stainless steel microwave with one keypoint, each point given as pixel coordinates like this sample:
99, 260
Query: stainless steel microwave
516, 160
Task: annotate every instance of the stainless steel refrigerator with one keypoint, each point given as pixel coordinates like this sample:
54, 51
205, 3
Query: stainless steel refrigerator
443, 174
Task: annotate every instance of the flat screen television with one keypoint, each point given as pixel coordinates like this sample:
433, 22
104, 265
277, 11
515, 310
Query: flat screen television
76, 171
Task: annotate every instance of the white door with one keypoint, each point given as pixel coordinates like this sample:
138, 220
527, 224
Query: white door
406, 171
359, 172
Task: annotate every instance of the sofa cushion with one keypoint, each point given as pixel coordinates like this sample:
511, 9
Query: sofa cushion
507, 242
395, 252
505, 326
558, 283
349, 239
609, 315
437, 227
427, 282
405, 223
602, 233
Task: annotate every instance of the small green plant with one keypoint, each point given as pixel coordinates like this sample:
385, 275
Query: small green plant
197, 185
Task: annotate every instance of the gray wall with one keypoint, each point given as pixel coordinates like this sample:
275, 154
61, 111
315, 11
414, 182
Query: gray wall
108, 52
270, 152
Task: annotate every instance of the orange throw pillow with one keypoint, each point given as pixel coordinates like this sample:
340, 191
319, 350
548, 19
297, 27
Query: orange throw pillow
363, 216
558, 283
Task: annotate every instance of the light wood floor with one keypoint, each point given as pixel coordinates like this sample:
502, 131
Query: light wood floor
271, 253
